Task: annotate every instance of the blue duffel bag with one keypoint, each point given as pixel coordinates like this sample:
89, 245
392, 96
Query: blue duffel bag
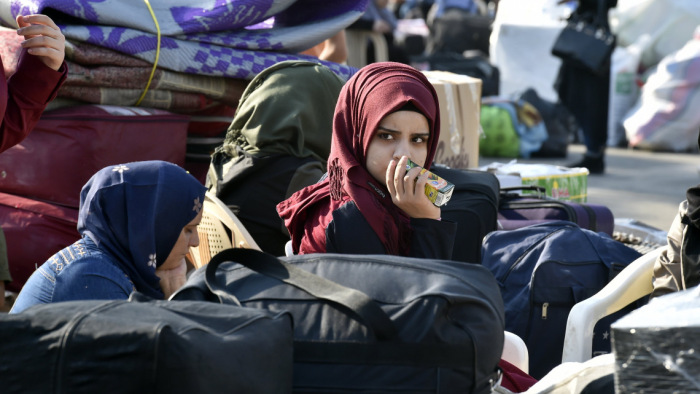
543, 270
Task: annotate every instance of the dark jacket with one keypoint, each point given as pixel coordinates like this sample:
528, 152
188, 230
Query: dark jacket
349, 232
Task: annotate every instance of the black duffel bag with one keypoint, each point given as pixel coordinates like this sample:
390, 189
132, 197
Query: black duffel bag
370, 323
145, 346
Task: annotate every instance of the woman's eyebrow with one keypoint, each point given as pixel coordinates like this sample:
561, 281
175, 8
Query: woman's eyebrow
389, 130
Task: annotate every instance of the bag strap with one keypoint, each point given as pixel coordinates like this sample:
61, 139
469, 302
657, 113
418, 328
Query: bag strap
602, 15
507, 191
356, 302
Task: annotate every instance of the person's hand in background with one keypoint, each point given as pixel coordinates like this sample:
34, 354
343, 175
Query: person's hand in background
42, 38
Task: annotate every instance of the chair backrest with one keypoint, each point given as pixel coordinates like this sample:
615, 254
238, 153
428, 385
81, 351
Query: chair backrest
219, 229
357, 43
631, 284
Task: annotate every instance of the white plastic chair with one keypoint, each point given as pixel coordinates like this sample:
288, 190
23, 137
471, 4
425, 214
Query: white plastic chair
515, 352
632, 283
357, 40
219, 229
288, 251
514, 348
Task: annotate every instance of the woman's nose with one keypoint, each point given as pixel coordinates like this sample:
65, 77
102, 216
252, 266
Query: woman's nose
194, 239
402, 149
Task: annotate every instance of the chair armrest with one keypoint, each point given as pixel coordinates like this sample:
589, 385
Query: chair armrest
632, 283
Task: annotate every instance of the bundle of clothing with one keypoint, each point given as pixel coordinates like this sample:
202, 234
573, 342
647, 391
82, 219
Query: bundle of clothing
181, 55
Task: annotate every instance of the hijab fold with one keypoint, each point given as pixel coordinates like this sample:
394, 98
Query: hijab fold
135, 212
374, 92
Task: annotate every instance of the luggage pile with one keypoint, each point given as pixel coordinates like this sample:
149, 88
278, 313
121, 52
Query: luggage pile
251, 322
526, 125
358, 324
145, 82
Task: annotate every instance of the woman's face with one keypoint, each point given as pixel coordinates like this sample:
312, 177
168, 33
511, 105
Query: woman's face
402, 133
188, 238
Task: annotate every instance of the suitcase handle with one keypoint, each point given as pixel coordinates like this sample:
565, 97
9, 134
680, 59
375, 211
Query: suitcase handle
541, 190
356, 302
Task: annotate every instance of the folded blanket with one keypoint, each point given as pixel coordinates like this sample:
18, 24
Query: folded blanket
174, 16
201, 37
224, 90
101, 76
190, 56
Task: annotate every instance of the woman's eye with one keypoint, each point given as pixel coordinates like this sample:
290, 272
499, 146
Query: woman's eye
385, 136
419, 140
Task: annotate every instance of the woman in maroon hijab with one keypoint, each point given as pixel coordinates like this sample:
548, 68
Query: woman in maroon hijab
367, 203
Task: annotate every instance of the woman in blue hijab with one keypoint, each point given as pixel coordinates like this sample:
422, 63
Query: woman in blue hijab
137, 222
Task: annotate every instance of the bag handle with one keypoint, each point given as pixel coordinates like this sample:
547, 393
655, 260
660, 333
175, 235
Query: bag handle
541, 190
354, 301
600, 17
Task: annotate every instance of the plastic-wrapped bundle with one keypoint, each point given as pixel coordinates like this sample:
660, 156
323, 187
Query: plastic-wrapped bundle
655, 346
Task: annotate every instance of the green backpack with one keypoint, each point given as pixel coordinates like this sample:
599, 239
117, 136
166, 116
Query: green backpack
500, 138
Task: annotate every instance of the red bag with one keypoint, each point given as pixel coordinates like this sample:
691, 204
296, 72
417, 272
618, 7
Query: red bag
34, 231
70, 144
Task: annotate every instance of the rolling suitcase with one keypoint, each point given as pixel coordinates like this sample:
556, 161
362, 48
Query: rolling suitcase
370, 323
516, 211
145, 346
34, 231
473, 206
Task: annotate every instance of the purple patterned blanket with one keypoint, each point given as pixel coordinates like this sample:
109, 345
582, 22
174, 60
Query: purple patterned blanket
234, 38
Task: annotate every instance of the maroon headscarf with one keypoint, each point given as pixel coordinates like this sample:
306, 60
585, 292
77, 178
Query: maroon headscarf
374, 92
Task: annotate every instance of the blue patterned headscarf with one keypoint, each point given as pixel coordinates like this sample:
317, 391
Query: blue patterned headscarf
135, 212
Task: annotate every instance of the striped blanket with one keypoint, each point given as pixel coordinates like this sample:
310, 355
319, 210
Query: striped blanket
234, 38
101, 76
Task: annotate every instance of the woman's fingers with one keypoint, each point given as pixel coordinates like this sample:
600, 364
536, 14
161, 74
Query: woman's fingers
399, 175
390, 171
43, 38
38, 19
420, 184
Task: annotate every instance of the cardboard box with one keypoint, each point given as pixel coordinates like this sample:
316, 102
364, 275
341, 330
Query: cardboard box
460, 107
561, 183
571, 186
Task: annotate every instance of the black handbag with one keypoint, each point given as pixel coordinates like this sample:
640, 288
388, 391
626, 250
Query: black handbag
587, 41
370, 323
